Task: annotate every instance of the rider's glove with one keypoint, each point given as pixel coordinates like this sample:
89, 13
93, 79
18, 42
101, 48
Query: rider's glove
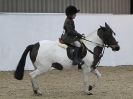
83, 35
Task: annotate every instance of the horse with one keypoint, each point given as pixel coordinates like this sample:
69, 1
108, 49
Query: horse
49, 54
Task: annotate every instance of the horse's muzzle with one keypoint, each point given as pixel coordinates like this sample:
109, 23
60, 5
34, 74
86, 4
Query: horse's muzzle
115, 47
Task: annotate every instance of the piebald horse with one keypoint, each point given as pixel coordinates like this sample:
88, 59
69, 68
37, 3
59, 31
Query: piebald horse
47, 54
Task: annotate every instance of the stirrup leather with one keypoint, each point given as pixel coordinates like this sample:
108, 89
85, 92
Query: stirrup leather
61, 44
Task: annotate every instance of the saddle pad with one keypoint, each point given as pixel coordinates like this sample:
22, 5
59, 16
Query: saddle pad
62, 45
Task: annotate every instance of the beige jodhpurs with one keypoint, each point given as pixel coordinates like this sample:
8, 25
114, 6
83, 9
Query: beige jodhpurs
77, 44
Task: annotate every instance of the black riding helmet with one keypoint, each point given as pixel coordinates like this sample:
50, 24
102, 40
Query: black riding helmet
71, 10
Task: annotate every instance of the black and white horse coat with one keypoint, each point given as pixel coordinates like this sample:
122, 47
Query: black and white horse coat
46, 53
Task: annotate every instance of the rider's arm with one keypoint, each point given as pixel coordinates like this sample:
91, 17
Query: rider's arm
70, 28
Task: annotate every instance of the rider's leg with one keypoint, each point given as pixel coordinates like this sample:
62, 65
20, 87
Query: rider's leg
77, 44
77, 59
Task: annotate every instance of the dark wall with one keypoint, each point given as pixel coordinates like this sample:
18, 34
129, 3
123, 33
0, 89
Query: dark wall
131, 6
58, 6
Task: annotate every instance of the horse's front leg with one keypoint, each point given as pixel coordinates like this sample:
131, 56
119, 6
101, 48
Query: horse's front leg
86, 74
98, 75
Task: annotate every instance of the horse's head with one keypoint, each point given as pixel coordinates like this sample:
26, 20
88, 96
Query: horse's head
107, 36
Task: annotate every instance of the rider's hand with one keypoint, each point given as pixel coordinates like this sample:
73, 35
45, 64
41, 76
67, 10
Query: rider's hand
83, 35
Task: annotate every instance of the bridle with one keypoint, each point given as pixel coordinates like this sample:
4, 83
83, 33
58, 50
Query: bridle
105, 44
100, 45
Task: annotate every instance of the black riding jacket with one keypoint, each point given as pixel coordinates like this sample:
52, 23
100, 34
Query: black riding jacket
70, 34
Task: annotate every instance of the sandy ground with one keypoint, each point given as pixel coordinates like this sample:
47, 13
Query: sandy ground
115, 83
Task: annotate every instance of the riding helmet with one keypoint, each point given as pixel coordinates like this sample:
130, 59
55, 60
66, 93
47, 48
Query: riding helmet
71, 10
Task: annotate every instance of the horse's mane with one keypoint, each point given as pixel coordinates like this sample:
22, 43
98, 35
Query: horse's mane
88, 35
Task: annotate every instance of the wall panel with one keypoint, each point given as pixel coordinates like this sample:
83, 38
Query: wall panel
58, 6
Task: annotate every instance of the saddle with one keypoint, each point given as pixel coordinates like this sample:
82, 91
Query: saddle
71, 48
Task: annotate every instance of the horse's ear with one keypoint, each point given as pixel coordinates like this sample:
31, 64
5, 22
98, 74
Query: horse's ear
101, 26
107, 26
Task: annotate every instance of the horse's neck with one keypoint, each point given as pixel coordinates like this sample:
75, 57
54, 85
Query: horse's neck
94, 40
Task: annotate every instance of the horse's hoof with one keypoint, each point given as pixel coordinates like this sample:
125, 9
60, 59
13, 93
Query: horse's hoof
37, 93
89, 93
90, 87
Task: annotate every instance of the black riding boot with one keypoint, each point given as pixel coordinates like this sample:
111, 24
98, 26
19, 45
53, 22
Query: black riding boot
77, 60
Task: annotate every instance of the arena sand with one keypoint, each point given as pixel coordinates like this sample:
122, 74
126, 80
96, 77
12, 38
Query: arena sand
115, 83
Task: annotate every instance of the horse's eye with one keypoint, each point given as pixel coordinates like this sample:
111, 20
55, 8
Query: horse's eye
114, 33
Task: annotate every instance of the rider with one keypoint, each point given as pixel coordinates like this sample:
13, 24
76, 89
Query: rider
71, 36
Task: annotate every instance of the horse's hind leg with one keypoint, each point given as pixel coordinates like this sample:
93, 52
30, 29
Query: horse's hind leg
34, 76
35, 86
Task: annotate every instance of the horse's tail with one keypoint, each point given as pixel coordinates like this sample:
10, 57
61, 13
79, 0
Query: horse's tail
20, 67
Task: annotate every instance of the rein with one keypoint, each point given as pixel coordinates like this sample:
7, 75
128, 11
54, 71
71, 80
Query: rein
98, 56
96, 43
